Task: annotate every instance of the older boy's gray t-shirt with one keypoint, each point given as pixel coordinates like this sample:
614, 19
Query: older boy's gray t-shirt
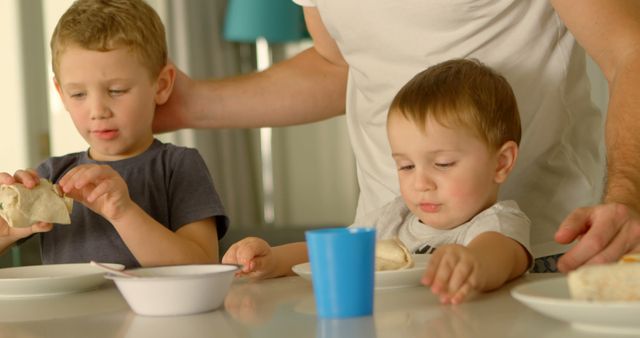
170, 183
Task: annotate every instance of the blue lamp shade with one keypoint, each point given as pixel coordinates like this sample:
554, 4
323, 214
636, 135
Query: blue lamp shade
275, 20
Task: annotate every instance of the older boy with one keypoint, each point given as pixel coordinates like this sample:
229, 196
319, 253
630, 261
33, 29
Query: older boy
139, 202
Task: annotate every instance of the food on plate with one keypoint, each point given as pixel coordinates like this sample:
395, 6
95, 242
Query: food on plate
630, 258
607, 282
391, 254
21, 207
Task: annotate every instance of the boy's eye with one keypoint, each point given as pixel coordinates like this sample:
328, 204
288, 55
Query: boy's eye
443, 165
115, 92
406, 167
77, 95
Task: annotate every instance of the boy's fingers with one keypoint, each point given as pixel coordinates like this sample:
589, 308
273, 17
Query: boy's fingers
67, 182
461, 273
99, 190
229, 257
41, 227
461, 294
5, 178
28, 178
443, 275
430, 272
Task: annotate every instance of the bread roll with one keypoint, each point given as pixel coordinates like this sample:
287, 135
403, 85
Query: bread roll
391, 254
21, 207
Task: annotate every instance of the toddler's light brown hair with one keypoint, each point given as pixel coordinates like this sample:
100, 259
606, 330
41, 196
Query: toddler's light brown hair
462, 93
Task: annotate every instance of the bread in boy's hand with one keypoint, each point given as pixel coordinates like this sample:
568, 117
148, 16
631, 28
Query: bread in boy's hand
21, 207
391, 254
607, 282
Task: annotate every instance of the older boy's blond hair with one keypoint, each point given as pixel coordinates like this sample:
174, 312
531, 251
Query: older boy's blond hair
105, 25
462, 93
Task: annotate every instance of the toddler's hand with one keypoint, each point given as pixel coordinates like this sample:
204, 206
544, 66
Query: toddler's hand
453, 273
98, 187
255, 256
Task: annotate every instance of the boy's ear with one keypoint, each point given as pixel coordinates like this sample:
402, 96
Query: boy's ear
59, 90
164, 83
57, 85
507, 155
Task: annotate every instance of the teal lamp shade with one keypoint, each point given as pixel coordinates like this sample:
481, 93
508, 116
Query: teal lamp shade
277, 21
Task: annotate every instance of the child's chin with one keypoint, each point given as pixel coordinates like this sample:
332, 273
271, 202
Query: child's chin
438, 223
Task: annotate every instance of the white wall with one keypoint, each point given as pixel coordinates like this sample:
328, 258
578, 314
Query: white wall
12, 129
64, 136
24, 128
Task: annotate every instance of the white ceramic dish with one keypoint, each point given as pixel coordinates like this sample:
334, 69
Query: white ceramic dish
384, 279
176, 290
52, 279
551, 298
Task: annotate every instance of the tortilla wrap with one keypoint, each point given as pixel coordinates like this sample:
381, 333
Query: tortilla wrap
607, 282
391, 254
21, 207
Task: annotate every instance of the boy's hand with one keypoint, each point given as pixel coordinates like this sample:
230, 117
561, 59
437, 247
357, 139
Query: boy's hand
255, 256
98, 187
13, 234
29, 178
453, 273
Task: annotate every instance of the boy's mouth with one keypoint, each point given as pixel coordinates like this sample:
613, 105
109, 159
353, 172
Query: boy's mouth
105, 134
430, 207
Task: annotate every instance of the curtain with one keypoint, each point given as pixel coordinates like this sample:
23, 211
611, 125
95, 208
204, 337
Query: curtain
194, 33
314, 170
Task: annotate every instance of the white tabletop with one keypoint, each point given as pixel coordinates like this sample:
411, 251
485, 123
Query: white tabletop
281, 307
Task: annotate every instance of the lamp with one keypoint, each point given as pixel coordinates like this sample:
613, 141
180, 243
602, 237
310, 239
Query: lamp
263, 22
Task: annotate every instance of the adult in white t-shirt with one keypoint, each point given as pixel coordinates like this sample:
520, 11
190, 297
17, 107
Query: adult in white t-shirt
364, 51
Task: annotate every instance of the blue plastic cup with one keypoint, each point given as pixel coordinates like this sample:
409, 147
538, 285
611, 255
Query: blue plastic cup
358, 327
342, 270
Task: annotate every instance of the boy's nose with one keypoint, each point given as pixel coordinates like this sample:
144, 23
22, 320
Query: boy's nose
423, 182
99, 110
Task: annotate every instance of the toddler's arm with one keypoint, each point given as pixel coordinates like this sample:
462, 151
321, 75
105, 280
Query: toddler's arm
259, 260
488, 262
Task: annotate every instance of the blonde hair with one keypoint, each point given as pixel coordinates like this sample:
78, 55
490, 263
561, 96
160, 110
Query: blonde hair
462, 93
105, 25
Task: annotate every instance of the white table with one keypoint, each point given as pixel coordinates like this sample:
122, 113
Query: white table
281, 307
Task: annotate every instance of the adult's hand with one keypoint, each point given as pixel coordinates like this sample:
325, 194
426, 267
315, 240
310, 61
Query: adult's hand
604, 232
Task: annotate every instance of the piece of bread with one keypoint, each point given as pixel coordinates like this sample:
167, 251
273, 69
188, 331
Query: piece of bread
22, 207
391, 254
607, 282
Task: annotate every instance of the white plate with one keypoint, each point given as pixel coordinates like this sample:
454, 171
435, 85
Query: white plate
551, 297
384, 279
52, 279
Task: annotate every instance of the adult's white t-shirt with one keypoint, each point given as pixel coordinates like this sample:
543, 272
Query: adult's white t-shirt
385, 43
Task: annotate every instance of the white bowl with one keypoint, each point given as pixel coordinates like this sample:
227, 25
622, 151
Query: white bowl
175, 290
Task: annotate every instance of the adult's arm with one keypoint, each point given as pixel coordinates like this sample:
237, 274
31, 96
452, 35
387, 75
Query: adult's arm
305, 88
610, 32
